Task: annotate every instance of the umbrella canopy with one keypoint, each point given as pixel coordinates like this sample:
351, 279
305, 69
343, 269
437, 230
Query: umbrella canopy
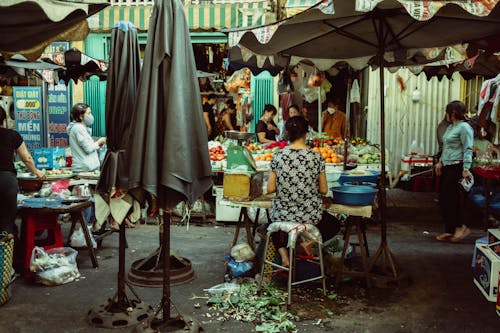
364, 29
80, 66
29, 26
167, 151
121, 89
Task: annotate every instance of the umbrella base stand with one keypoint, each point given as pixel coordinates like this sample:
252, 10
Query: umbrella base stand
115, 314
180, 324
388, 268
148, 272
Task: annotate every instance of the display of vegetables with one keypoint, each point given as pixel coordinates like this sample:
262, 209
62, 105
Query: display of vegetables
217, 153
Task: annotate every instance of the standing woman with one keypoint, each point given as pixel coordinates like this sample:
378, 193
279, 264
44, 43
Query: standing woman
454, 164
298, 177
227, 119
10, 143
84, 150
266, 127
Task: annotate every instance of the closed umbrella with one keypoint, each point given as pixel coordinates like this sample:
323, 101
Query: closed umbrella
167, 151
28, 26
378, 30
121, 89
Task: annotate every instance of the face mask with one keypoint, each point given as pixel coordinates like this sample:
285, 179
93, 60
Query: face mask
331, 110
266, 118
88, 119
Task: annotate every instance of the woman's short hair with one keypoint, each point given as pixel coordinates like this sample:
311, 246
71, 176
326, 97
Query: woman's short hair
270, 108
457, 109
3, 115
78, 111
296, 127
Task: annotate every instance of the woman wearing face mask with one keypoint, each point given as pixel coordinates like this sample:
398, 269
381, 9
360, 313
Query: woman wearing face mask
84, 150
453, 165
266, 127
333, 120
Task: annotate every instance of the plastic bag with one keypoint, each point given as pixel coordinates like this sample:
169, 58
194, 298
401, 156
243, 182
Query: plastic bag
78, 238
237, 269
55, 266
226, 287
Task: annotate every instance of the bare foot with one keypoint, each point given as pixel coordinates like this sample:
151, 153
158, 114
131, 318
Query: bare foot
285, 261
306, 246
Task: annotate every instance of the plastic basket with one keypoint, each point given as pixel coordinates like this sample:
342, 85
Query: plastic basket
354, 195
6, 270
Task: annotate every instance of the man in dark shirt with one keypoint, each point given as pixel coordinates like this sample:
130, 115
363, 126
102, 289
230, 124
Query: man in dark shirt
209, 116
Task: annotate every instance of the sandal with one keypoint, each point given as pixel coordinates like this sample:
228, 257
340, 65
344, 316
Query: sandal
444, 237
459, 238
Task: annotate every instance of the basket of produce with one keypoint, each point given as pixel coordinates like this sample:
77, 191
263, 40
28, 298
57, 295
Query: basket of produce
29, 184
354, 195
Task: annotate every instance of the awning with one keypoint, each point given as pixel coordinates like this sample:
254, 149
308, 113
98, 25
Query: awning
200, 17
293, 7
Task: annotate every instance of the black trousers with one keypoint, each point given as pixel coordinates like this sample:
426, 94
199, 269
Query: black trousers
451, 197
8, 201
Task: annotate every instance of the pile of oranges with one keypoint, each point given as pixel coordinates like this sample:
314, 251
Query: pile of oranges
265, 157
328, 154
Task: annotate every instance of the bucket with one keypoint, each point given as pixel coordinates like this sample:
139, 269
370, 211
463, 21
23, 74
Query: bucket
6, 270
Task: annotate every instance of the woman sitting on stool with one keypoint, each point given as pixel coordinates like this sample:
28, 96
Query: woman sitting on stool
298, 177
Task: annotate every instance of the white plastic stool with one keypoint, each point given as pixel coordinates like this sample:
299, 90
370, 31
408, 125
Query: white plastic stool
294, 230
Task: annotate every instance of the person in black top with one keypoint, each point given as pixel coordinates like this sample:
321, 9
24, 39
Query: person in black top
266, 128
209, 116
10, 143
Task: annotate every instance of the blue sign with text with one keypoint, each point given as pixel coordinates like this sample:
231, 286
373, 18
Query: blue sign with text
28, 109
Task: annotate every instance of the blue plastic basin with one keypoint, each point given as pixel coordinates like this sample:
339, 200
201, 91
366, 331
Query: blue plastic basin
354, 195
370, 177
374, 185
42, 202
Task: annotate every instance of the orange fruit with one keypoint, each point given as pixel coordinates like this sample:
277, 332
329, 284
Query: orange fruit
269, 158
328, 160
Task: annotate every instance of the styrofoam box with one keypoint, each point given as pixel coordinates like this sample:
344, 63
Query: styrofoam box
224, 210
486, 272
493, 236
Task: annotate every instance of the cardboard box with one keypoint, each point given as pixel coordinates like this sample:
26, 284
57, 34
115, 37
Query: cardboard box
493, 236
486, 272
243, 186
50, 158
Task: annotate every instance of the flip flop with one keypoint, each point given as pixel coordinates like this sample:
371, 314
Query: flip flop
464, 234
444, 237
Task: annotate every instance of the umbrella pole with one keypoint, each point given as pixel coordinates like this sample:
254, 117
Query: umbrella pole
347, 120
383, 253
166, 265
319, 112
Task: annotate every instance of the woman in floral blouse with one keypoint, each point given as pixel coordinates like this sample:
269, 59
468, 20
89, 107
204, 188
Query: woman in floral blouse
298, 177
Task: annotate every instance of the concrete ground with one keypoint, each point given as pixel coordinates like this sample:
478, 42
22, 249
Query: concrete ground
437, 296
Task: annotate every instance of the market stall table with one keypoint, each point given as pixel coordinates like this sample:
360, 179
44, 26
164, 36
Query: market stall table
76, 211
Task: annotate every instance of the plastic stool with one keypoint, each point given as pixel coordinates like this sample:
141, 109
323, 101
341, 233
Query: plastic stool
292, 269
31, 224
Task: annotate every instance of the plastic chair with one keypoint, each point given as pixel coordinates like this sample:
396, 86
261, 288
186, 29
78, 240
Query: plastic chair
294, 230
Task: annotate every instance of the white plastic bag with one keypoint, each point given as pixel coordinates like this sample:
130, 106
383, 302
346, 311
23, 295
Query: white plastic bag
78, 238
55, 266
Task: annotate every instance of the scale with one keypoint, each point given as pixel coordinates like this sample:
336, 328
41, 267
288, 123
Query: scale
238, 157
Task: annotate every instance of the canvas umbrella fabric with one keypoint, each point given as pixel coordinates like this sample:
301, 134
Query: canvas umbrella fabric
380, 31
168, 151
29, 26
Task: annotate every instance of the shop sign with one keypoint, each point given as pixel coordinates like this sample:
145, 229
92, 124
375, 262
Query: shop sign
57, 97
28, 109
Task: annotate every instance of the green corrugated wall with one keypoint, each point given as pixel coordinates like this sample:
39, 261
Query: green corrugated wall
262, 89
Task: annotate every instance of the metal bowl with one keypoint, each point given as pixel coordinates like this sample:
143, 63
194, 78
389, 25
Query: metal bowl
239, 135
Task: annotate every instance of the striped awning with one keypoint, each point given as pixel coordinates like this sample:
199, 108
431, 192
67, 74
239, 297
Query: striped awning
200, 17
293, 7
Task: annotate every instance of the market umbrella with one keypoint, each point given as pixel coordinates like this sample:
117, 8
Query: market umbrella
80, 66
121, 90
379, 31
29, 26
167, 151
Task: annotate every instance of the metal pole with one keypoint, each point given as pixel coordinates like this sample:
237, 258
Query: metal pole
319, 111
347, 120
382, 192
165, 224
121, 268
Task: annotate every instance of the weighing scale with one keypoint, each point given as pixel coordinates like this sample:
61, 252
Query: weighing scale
238, 157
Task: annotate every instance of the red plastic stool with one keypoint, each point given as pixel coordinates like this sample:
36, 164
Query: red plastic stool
31, 224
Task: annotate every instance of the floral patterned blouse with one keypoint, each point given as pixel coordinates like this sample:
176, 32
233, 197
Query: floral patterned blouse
297, 195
